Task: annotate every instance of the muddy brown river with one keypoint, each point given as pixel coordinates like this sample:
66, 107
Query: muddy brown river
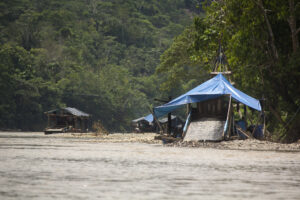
35, 166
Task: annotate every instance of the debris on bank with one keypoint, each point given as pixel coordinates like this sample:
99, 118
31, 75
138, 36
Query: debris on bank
147, 138
249, 144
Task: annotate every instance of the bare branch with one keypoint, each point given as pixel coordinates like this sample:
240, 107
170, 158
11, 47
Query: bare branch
270, 31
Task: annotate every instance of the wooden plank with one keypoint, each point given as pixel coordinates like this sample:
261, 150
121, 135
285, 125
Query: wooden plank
156, 120
245, 115
244, 132
215, 73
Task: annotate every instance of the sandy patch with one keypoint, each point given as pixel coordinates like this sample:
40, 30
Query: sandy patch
114, 137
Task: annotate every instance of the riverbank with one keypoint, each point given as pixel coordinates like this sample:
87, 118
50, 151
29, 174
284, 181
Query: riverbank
148, 138
249, 144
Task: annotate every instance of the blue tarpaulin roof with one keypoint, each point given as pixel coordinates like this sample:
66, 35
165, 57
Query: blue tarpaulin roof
149, 118
210, 89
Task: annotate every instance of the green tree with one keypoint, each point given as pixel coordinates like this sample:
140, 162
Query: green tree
262, 48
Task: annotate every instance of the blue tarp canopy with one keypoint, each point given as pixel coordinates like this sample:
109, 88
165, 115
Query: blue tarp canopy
149, 118
210, 89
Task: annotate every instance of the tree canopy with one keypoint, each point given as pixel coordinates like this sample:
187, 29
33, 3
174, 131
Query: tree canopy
96, 55
260, 39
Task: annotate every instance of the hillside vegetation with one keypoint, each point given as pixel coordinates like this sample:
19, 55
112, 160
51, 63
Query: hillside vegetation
96, 55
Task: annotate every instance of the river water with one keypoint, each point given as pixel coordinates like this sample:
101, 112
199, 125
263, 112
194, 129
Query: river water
35, 166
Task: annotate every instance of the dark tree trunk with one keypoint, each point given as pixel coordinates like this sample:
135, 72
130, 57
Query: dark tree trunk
270, 31
293, 26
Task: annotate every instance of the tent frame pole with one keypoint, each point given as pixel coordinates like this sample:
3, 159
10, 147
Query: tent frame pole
156, 120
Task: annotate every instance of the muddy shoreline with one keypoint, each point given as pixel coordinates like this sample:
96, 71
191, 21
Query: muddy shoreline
249, 144
148, 138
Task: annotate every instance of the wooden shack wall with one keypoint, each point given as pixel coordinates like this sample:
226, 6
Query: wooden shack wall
212, 108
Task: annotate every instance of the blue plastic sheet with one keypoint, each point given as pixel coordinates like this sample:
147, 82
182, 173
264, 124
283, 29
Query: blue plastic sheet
149, 118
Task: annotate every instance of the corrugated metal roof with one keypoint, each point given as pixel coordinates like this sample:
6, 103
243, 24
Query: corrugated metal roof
138, 119
76, 112
72, 111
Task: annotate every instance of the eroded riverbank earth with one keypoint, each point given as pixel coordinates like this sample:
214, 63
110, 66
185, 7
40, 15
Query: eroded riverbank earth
134, 166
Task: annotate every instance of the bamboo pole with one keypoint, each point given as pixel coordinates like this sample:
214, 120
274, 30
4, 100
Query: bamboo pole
245, 115
156, 120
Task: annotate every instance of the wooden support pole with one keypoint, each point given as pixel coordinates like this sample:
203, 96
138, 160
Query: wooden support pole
262, 103
169, 120
75, 124
230, 120
187, 109
156, 120
48, 123
245, 115
169, 123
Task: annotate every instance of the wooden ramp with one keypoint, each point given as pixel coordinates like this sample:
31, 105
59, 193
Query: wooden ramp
205, 129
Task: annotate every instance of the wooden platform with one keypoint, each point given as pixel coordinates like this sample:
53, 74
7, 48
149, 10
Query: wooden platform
225, 73
54, 130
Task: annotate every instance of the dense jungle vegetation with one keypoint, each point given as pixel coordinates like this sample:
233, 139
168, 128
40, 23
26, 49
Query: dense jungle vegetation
96, 55
111, 58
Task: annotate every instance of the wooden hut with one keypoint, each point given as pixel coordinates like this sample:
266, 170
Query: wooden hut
141, 125
67, 120
176, 125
